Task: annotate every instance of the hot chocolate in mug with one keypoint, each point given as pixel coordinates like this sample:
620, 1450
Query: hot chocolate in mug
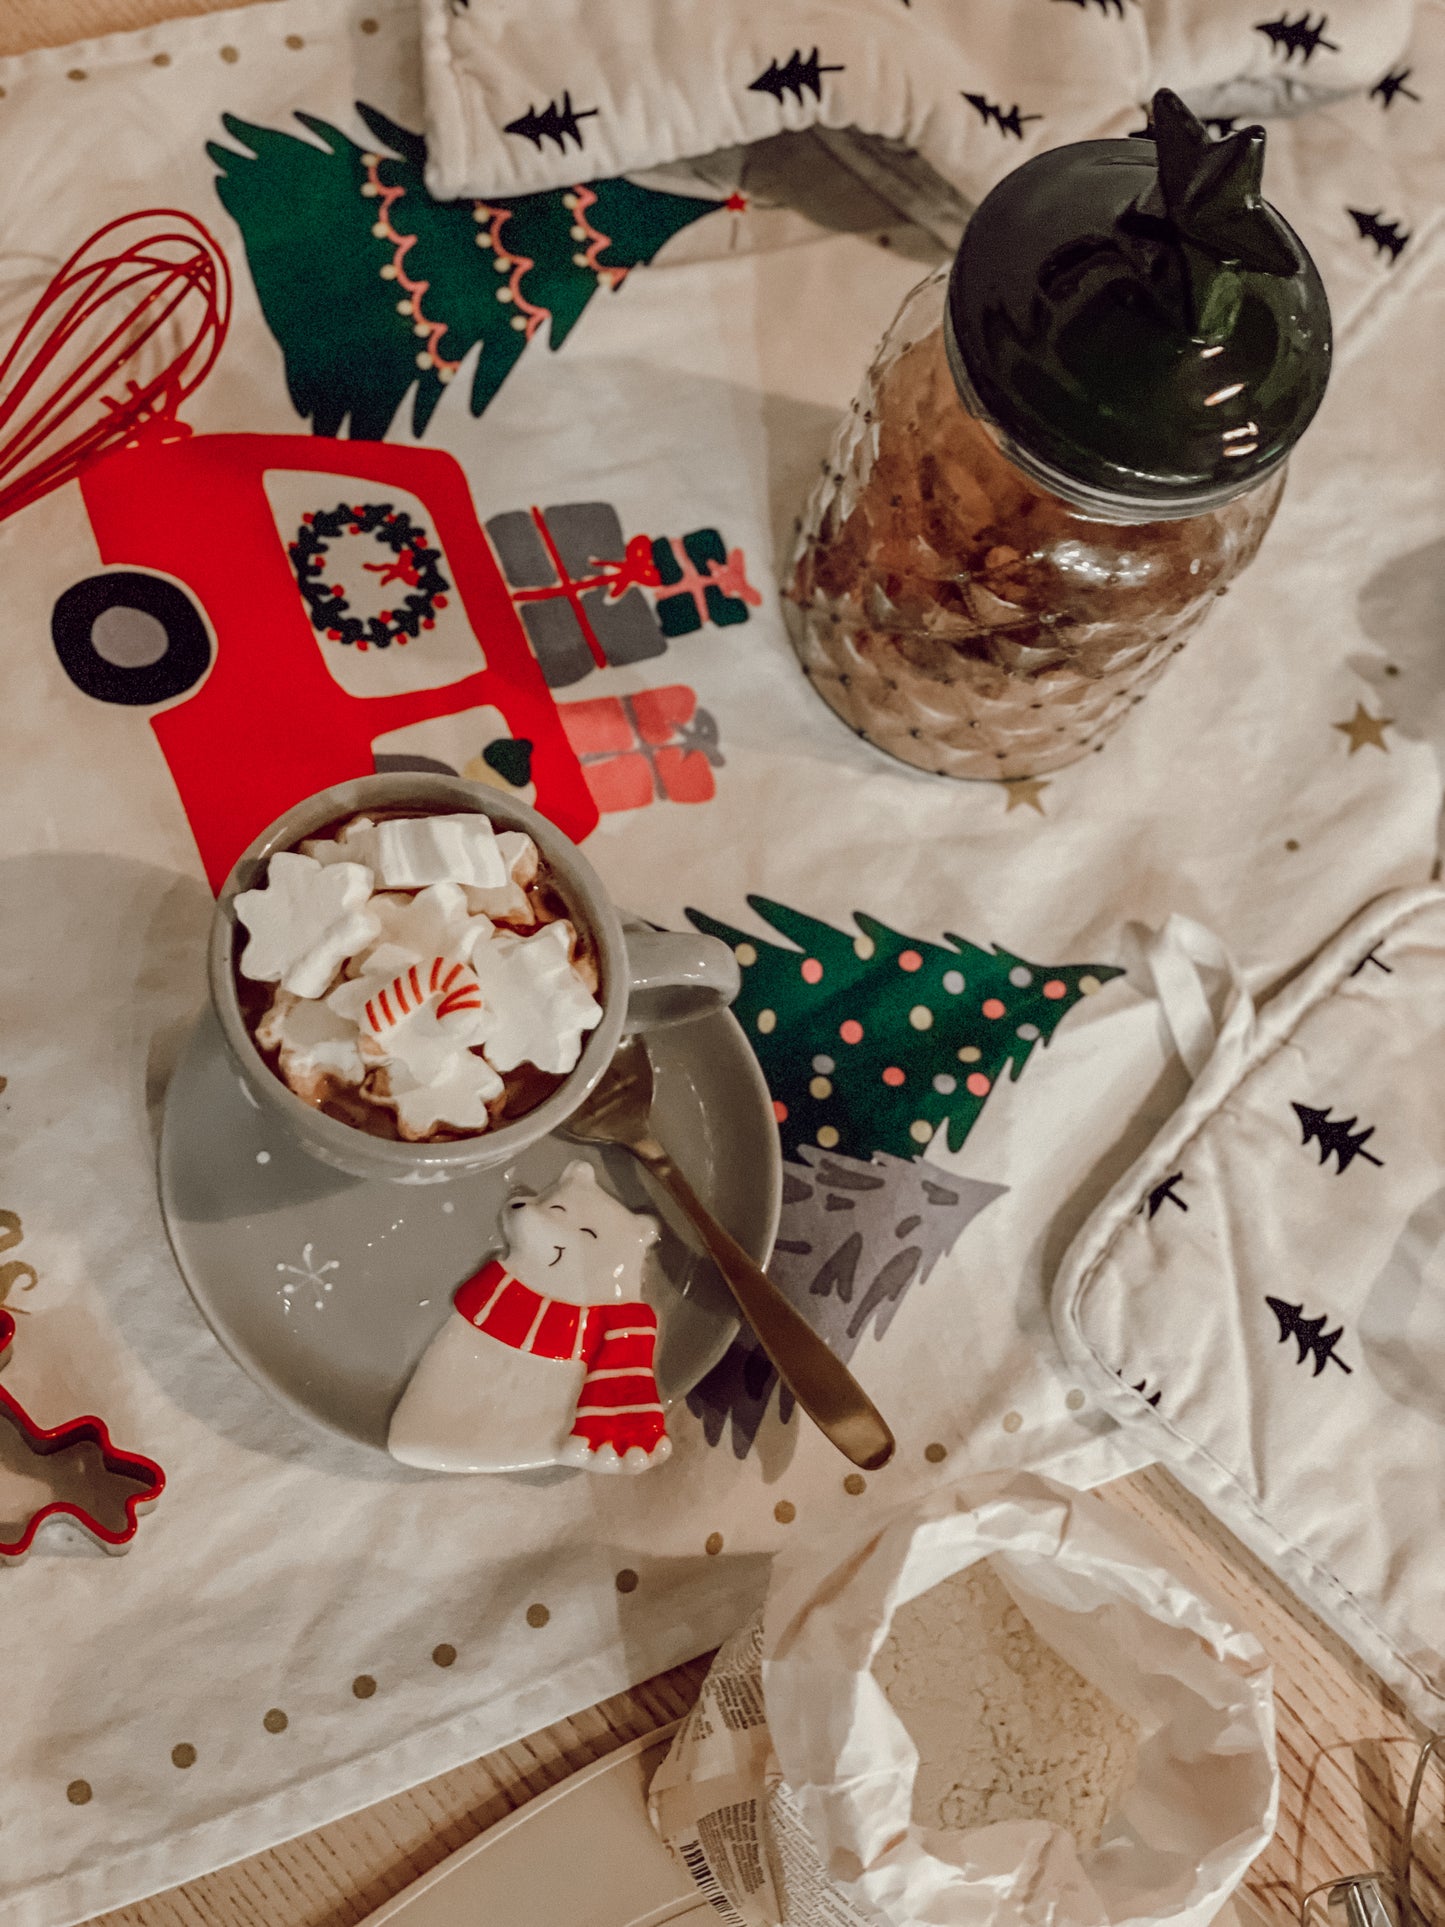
647, 978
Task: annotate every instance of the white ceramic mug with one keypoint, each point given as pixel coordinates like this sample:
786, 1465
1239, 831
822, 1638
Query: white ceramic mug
648, 978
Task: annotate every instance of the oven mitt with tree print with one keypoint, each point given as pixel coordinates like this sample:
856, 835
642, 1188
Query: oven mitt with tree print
1265, 1289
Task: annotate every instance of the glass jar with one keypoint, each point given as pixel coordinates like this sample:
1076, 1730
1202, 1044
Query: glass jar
1060, 458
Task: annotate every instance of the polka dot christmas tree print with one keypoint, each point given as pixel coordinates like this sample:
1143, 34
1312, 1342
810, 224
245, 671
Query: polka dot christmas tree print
874, 1041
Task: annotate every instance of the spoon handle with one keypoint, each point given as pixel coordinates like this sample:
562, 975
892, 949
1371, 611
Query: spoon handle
817, 1378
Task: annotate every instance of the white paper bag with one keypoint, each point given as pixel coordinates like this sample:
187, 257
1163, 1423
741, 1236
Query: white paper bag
788, 1791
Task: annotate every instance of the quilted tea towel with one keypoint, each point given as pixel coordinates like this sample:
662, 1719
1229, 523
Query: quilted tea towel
1266, 1289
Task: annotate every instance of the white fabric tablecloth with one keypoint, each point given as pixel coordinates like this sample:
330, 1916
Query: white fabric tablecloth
281, 1566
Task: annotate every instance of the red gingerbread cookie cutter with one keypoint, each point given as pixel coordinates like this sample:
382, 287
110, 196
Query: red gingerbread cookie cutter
147, 1476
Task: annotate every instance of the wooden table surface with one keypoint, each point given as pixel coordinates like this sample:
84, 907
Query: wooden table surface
1346, 1749
1346, 1753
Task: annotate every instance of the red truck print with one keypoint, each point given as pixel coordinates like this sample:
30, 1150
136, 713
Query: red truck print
255, 718
296, 610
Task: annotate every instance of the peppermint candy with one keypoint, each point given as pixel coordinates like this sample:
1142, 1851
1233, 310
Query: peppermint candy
454, 986
424, 1018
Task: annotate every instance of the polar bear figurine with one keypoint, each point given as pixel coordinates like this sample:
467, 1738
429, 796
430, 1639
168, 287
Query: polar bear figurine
547, 1357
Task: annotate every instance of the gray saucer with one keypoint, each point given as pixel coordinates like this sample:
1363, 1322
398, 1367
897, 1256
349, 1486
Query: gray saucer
327, 1288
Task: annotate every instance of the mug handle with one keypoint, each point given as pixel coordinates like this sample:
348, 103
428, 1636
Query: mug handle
674, 976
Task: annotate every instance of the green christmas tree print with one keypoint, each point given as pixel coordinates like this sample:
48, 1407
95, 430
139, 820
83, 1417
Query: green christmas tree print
374, 290
870, 1042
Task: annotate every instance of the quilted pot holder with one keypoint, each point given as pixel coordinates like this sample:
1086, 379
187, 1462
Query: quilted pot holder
1266, 1288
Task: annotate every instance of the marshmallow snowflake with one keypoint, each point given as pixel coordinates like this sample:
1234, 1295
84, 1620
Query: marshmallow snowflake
410, 1030
458, 1098
431, 982
413, 851
537, 1007
510, 903
351, 844
306, 921
434, 923
313, 1041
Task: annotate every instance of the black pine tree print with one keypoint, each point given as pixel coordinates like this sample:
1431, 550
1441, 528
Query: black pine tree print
1372, 957
1142, 1388
1309, 1334
1008, 123
1385, 90
1115, 7
555, 123
1300, 36
1164, 1191
1333, 1135
794, 77
1386, 235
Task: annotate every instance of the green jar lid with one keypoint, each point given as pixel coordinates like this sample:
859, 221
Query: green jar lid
1146, 333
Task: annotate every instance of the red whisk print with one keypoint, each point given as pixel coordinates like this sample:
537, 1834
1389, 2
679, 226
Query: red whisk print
127, 328
455, 984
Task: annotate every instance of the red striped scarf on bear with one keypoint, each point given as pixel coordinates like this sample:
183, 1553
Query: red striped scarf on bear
615, 1343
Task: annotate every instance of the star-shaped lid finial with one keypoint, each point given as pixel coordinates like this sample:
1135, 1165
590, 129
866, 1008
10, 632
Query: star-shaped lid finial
1211, 190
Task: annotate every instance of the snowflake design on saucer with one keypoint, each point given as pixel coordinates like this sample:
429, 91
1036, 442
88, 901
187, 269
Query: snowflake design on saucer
307, 1274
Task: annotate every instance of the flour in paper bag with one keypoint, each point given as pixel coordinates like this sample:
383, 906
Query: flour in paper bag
1005, 1728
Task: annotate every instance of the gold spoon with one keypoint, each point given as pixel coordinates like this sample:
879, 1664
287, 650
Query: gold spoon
619, 1112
